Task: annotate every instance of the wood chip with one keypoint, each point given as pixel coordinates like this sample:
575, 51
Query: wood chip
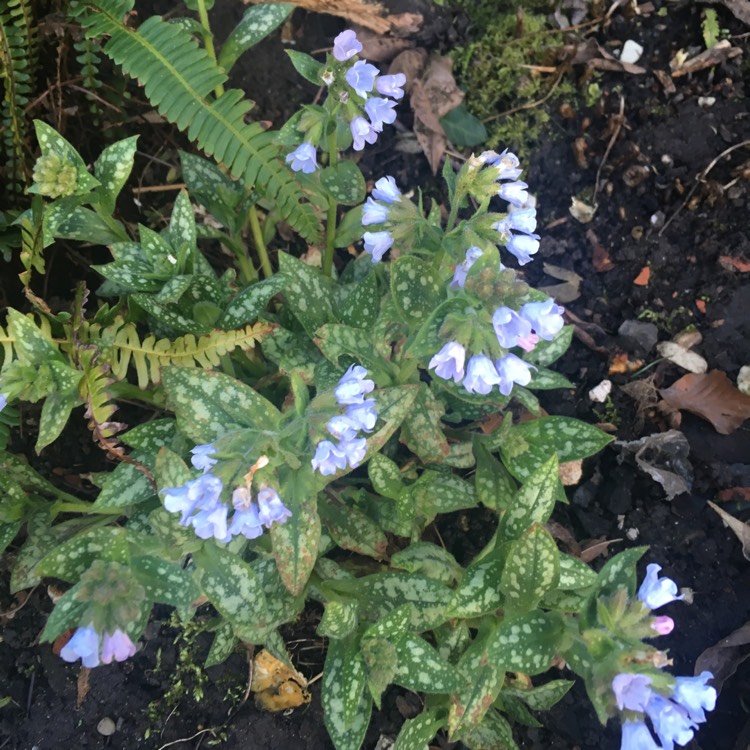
717, 54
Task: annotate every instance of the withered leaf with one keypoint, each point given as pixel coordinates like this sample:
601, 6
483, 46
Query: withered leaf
723, 658
739, 529
712, 397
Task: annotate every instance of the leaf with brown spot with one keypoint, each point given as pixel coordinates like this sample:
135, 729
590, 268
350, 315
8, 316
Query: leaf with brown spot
712, 397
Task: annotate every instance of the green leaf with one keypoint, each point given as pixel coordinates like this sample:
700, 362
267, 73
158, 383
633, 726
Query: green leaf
66, 614
543, 697
308, 293
575, 574
416, 733
479, 590
74, 557
339, 620
282, 606
8, 533
429, 559
547, 380
233, 588
40, 540
31, 345
462, 128
362, 304
112, 169
534, 502
385, 476
547, 352
55, 413
352, 529
51, 142
415, 289
308, 67
257, 23
349, 229
493, 733
393, 625
421, 669
82, 224
435, 493
344, 183
527, 643
209, 404
494, 486
151, 436
222, 645
336, 341
452, 639
532, 567
209, 186
124, 486
250, 302
381, 663
165, 582
422, 431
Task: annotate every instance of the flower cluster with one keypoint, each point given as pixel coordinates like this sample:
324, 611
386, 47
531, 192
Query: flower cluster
92, 649
200, 504
376, 211
367, 114
674, 717
360, 416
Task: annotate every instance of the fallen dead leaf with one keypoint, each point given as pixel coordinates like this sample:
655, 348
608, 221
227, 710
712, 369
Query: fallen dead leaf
717, 54
679, 355
367, 14
712, 397
595, 56
739, 529
643, 277
600, 257
82, 686
569, 290
734, 264
595, 548
723, 658
378, 48
564, 535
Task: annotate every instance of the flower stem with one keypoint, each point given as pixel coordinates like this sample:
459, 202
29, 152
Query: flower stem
208, 39
333, 157
260, 245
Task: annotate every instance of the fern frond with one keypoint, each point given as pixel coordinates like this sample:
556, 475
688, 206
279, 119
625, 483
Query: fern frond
123, 346
95, 391
178, 78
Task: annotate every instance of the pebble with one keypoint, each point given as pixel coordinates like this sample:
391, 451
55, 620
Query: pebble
743, 379
631, 52
643, 335
106, 727
601, 392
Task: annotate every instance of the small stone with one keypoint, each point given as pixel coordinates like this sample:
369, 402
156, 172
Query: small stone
639, 334
706, 101
631, 52
743, 379
106, 727
667, 160
600, 393
657, 220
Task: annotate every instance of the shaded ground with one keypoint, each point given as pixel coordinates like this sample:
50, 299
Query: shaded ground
665, 140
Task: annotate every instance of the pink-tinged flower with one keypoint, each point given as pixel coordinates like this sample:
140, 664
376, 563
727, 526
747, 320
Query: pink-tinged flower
473, 254
346, 45
545, 317
381, 112
303, 159
695, 695
514, 192
361, 77
670, 721
353, 386
374, 212
377, 244
362, 132
270, 507
83, 645
655, 592
509, 327
512, 370
386, 190
663, 625
245, 520
523, 246
392, 85
328, 458
117, 646
635, 736
449, 362
481, 375
201, 458
632, 691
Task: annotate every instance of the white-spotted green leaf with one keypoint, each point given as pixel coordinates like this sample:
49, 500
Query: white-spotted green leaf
73, 557
428, 341
40, 540
547, 380
339, 620
209, 186
415, 289
460, 455
479, 591
534, 502
250, 302
165, 583
416, 733
385, 476
515, 710
308, 67
51, 142
181, 232
452, 638
170, 470
435, 493
532, 567
231, 585
124, 486
256, 24
542, 697
493, 733
31, 345
351, 529
575, 574
282, 606
361, 305
208, 404
222, 645
66, 614
527, 643
393, 625
151, 436
308, 293
546, 352
429, 559
82, 224
381, 663
422, 431
349, 229
495, 487
344, 183
336, 341
55, 413
112, 169
8, 533
421, 669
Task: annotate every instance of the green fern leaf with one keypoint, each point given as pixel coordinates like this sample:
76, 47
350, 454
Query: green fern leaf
178, 78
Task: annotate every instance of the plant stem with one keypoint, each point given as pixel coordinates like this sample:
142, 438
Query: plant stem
260, 245
208, 39
333, 158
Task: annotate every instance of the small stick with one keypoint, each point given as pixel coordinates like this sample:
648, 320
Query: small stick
615, 134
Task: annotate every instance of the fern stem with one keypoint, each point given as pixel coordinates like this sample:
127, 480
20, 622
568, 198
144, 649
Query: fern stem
208, 39
260, 245
333, 158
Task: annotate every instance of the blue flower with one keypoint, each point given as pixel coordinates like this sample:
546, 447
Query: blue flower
473, 254
117, 646
381, 112
512, 369
361, 77
211, 522
514, 192
346, 45
343, 427
270, 507
391, 85
353, 386
509, 327
481, 375
507, 165
632, 691
201, 458
377, 244
3, 401
373, 212
386, 190
354, 450
523, 246
362, 132
84, 645
635, 736
695, 696
670, 721
328, 458
303, 158
449, 362
655, 592
245, 520
546, 319
198, 494
363, 415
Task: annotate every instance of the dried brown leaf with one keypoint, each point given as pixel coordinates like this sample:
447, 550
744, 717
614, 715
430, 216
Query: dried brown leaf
566, 292
723, 658
596, 548
595, 56
712, 397
377, 48
739, 529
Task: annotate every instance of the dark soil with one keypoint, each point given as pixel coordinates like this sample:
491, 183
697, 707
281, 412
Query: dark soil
668, 222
